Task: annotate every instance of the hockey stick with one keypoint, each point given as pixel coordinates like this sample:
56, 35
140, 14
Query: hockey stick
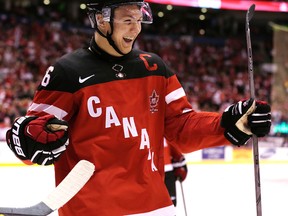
249, 16
70, 186
183, 198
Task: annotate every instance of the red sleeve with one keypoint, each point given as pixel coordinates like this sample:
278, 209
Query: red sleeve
187, 129
56, 103
194, 131
175, 152
51, 99
167, 154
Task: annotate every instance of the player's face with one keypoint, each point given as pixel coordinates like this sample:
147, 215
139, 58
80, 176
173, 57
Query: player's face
127, 26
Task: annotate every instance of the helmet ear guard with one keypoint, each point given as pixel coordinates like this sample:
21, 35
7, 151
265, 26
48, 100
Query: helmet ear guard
92, 10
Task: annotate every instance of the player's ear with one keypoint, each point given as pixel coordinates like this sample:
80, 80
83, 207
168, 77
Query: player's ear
100, 22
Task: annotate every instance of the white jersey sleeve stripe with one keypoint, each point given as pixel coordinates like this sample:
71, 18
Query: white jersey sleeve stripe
174, 95
168, 167
49, 109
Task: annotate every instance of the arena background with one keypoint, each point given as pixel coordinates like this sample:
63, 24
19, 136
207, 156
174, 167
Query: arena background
206, 48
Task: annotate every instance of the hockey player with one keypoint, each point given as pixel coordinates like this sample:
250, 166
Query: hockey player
119, 103
175, 169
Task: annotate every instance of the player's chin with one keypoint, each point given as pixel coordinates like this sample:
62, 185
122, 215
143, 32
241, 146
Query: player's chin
126, 50
126, 46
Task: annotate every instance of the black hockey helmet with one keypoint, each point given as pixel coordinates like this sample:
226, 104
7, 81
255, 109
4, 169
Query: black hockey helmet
106, 9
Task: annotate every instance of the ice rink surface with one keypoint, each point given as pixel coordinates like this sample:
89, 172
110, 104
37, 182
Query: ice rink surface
209, 190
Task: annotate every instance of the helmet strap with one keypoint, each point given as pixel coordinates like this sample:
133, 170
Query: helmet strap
110, 40
108, 35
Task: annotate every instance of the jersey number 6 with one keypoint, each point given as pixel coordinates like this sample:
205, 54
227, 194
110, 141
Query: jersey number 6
47, 76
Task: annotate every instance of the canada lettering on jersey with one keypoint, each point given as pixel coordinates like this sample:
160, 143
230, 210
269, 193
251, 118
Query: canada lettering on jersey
128, 124
115, 120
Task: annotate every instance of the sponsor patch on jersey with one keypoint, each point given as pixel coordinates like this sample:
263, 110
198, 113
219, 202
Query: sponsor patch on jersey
154, 98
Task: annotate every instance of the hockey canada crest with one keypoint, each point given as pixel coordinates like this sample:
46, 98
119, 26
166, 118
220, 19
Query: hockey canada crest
118, 69
154, 98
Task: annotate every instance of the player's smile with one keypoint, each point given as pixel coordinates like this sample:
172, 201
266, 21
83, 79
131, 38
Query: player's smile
128, 42
128, 39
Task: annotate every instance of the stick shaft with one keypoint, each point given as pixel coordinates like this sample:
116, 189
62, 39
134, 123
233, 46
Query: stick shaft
257, 175
252, 95
250, 64
183, 198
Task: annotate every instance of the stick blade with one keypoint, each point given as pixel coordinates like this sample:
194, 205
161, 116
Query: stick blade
70, 185
250, 12
41, 209
65, 191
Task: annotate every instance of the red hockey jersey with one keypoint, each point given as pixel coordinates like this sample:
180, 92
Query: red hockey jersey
119, 110
170, 153
167, 158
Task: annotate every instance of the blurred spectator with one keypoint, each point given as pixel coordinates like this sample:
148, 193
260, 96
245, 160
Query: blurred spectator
213, 71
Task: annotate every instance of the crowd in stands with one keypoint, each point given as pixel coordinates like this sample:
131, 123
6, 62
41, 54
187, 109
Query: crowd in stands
213, 72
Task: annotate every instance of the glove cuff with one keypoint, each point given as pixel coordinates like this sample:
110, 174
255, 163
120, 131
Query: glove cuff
179, 163
15, 139
236, 136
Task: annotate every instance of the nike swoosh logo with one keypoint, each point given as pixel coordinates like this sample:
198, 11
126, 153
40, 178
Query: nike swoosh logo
85, 79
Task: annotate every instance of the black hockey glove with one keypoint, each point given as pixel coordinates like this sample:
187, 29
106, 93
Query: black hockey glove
235, 121
180, 168
38, 139
260, 120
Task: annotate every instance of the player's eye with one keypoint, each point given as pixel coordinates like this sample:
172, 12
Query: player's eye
132, 21
128, 21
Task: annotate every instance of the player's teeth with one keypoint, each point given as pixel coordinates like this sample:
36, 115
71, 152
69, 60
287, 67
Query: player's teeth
129, 38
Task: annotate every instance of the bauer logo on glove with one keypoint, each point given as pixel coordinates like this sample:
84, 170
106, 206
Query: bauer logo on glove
38, 139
